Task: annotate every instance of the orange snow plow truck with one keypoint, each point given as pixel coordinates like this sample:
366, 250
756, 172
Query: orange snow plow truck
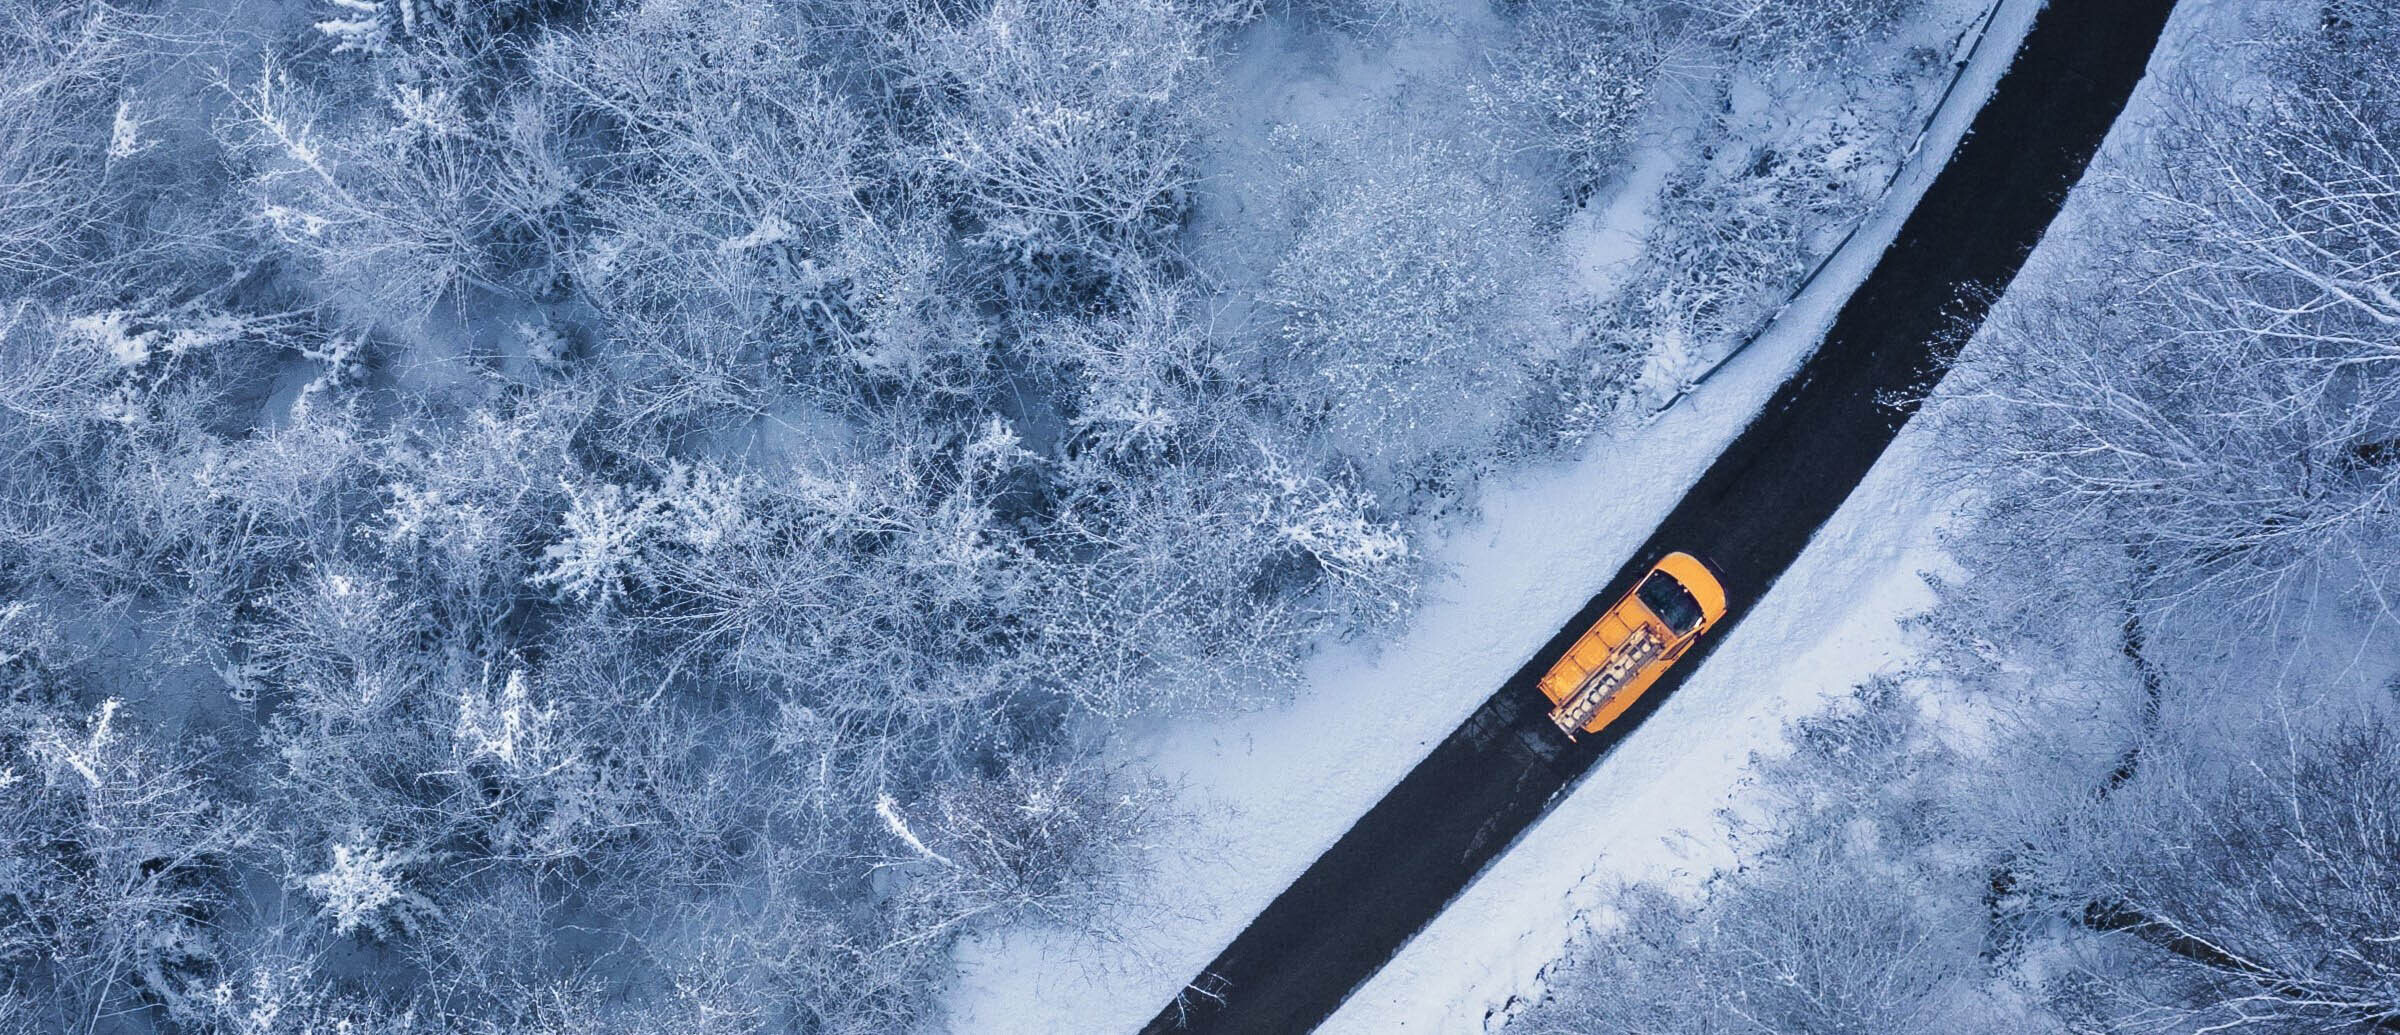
1626, 651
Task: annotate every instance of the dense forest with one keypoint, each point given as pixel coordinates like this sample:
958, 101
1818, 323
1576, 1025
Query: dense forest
525, 516
644, 515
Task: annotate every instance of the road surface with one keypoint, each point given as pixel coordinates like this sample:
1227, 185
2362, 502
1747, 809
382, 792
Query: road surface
1749, 515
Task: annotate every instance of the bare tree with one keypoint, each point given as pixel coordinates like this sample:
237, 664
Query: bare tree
1797, 31
1816, 944
2227, 411
1056, 842
1052, 122
115, 857
713, 223
1577, 79
1389, 316
60, 116
2250, 879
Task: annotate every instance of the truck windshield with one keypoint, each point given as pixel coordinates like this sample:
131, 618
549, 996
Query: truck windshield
1672, 603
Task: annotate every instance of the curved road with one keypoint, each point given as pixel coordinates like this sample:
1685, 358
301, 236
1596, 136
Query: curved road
1749, 515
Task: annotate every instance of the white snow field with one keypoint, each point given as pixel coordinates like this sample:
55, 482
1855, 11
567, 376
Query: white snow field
1270, 790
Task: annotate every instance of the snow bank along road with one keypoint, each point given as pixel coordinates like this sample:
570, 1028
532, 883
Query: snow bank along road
1750, 515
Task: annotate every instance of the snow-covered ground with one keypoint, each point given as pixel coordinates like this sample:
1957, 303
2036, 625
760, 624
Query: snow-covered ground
1269, 791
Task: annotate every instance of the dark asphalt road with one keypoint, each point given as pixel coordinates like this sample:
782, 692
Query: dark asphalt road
1749, 515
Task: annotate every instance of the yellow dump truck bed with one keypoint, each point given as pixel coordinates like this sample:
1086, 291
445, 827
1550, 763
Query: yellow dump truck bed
1607, 668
